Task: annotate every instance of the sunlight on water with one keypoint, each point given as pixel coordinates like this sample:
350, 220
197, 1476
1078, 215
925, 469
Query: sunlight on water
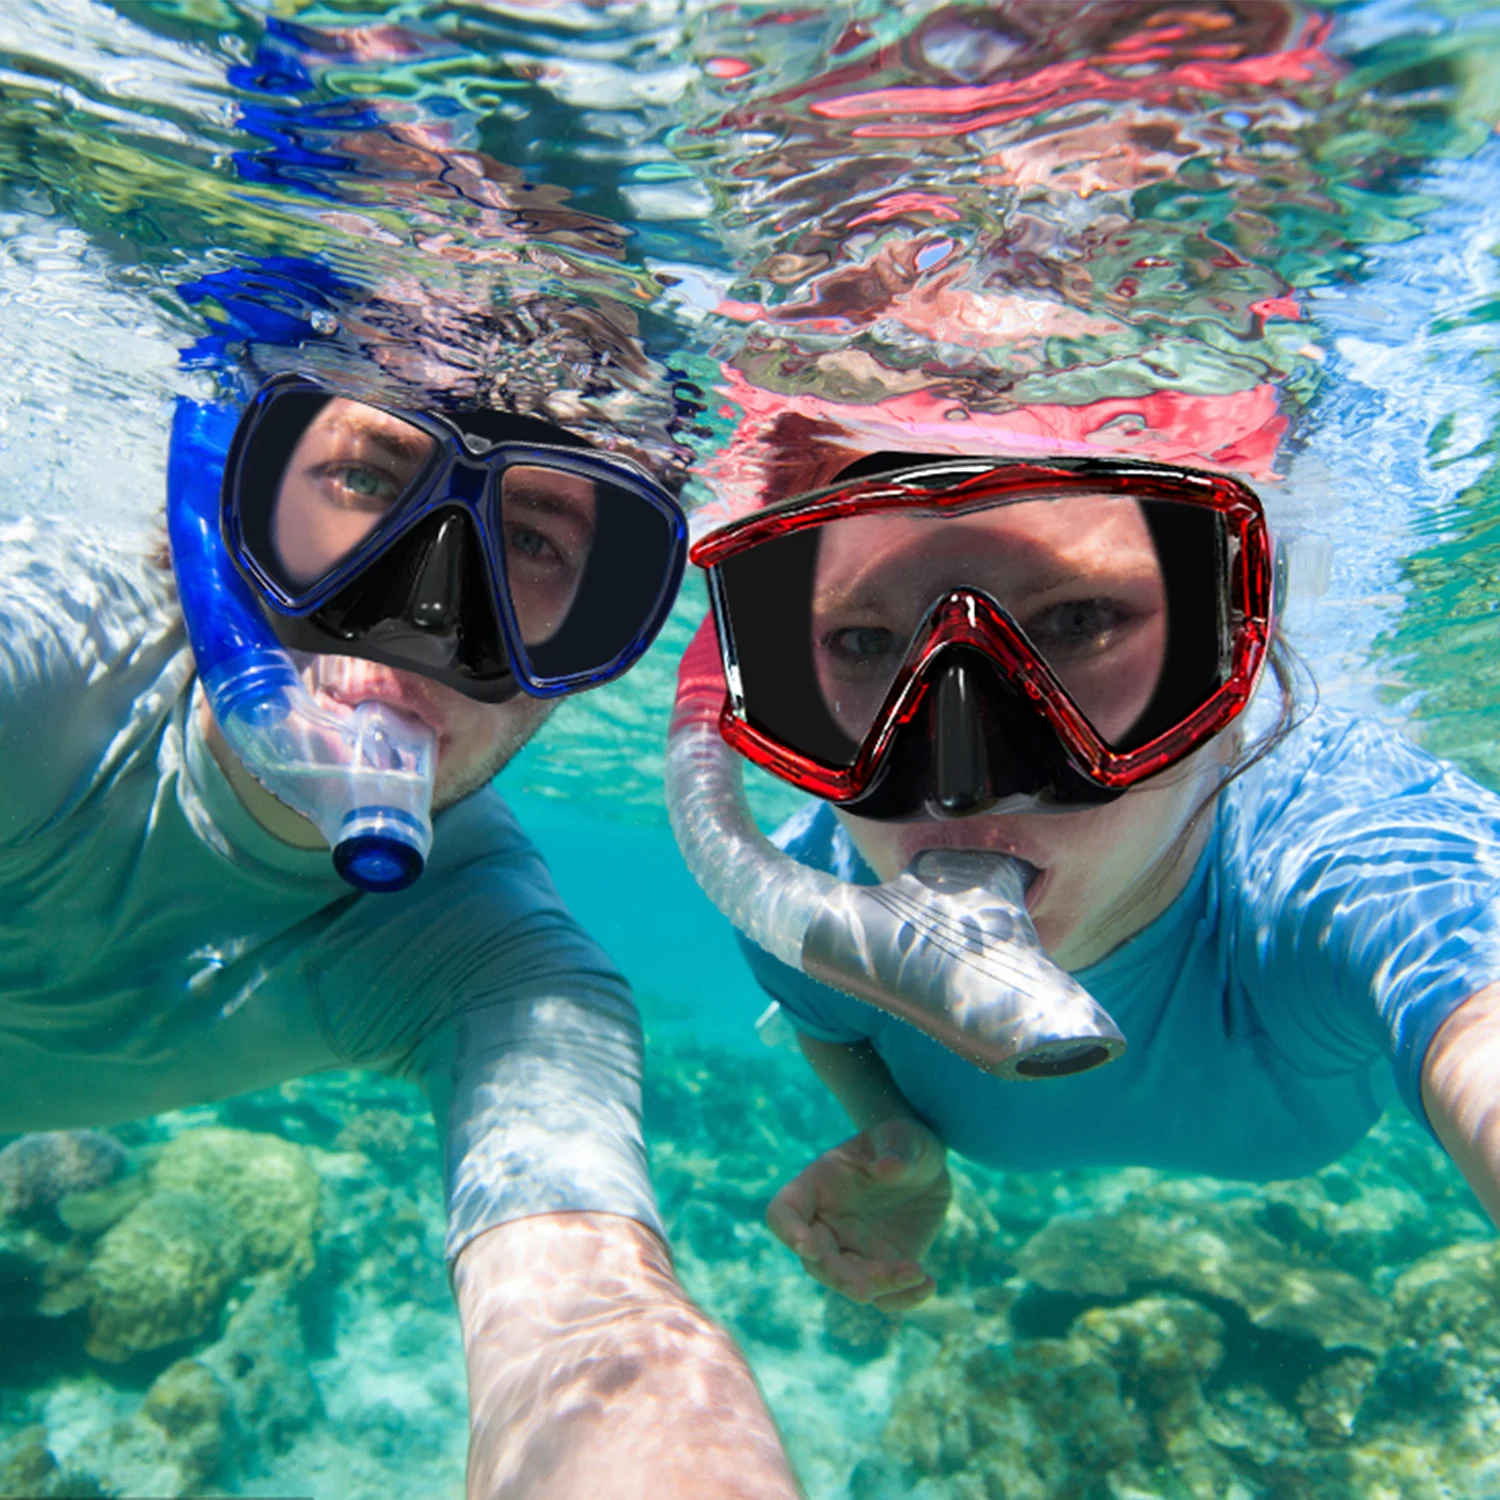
677, 218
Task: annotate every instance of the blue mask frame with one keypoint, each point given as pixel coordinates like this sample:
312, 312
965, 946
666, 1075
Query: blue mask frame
636, 583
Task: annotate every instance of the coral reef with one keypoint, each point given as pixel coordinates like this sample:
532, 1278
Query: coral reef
158, 1276
220, 1205
263, 1306
1110, 1333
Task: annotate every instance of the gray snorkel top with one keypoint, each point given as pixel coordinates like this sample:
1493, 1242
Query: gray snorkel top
947, 946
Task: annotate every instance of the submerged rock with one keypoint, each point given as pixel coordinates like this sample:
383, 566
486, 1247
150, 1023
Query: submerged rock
261, 1365
1028, 1418
1210, 1250
856, 1330
28, 1468
172, 1446
221, 1205
158, 1277
188, 1404
36, 1171
265, 1185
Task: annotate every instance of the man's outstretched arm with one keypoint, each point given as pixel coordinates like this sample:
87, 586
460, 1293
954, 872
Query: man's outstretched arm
591, 1373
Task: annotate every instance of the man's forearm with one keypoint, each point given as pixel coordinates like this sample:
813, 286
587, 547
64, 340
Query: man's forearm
591, 1373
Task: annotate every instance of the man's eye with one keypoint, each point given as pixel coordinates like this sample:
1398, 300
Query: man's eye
1077, 623
358, 484
858, 644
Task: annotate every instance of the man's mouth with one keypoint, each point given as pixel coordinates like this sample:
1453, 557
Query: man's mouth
348, 683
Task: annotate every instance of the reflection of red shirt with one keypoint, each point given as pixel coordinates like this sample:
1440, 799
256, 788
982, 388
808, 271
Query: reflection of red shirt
961, 109
1146, 57
1047, 82
1238, 431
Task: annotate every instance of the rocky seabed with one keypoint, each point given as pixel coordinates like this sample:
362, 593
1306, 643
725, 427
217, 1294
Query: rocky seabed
250, 1300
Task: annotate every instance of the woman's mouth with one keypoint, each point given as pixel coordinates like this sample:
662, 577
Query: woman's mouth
979, 837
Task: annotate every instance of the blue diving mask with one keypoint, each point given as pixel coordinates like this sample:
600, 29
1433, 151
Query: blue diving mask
490, 552
482, 550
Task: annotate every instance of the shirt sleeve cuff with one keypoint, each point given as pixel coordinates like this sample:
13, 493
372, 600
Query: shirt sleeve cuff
540, 1104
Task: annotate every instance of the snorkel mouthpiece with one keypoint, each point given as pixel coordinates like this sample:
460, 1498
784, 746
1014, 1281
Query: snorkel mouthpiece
363, 775
948, 946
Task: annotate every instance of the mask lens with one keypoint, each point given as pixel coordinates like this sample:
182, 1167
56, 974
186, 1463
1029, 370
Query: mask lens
1116, 595
336, 469
586, 562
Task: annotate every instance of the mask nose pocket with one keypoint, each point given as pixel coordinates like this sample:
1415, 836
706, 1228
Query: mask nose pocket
436, 597
961, 727
982, 745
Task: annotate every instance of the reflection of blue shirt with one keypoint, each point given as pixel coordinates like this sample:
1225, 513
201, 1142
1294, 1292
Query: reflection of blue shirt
1345, 904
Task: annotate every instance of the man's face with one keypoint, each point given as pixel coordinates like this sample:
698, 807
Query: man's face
350, 466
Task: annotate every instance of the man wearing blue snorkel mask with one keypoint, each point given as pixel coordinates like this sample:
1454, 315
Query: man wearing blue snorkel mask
383, 582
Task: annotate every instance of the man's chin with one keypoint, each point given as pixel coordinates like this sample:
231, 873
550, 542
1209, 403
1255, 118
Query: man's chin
519, 720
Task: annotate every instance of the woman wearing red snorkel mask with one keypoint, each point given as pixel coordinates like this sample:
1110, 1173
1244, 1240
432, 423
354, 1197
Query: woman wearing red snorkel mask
992, 583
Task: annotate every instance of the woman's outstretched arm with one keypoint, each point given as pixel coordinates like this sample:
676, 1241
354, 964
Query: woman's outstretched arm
1461, 1090
855, 1075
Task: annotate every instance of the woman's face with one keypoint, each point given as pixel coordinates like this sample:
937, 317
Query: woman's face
1079, 575
1081, 578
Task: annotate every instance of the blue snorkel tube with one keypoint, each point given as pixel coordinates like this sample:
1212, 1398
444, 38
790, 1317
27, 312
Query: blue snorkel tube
362, 776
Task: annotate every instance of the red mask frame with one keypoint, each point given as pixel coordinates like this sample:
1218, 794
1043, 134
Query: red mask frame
970, 617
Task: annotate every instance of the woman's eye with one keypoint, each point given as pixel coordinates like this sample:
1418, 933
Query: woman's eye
1076, 623
859, 644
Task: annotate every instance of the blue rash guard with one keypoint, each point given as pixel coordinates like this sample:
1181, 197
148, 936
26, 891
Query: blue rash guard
1346, 903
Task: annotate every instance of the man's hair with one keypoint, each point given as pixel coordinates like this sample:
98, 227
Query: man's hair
464, 345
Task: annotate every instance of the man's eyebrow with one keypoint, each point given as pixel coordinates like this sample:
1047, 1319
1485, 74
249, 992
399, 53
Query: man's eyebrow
399, 441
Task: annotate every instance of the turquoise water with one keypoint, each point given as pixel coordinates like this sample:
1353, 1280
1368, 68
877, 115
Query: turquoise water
1337, 1337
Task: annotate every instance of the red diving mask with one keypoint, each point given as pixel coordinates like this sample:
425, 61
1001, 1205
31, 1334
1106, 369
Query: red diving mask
949, 636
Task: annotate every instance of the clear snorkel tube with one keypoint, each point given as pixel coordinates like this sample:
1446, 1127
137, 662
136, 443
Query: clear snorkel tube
362, 776
947, 946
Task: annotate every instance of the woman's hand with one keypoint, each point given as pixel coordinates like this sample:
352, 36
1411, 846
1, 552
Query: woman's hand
863, 1215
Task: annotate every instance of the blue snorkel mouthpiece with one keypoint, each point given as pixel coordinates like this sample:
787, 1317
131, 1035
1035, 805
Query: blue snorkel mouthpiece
379, 848
362, 775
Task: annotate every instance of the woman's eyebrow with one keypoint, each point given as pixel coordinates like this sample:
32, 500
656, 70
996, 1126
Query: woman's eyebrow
867, 594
